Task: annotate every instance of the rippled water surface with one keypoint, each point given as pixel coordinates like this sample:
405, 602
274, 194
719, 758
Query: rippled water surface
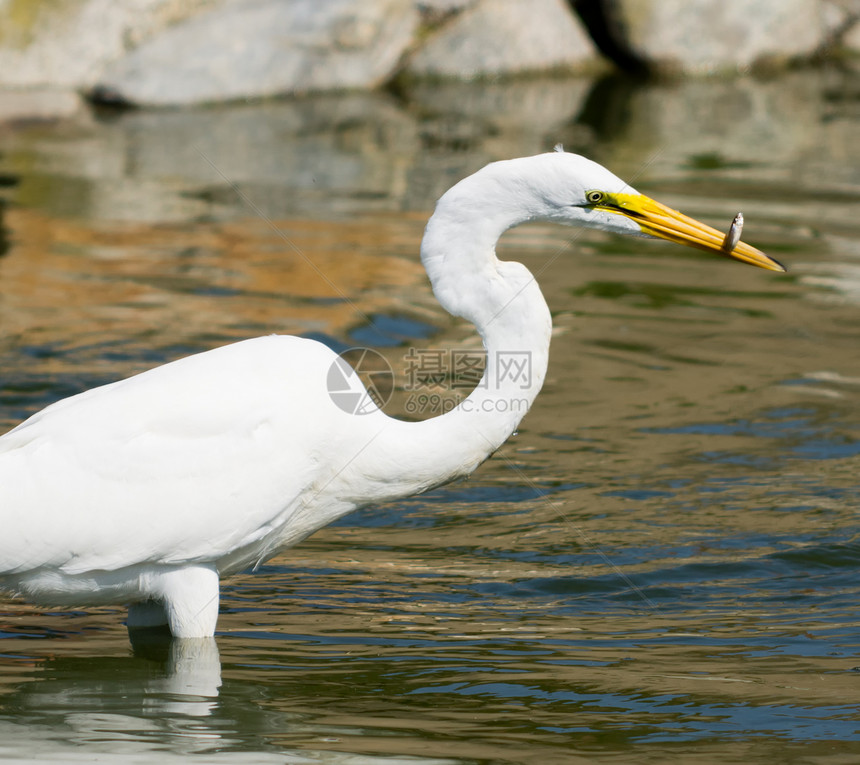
661, 565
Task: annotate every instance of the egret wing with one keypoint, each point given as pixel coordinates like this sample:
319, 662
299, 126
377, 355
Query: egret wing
189, 461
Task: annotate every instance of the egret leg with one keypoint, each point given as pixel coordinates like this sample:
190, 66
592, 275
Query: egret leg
190, 600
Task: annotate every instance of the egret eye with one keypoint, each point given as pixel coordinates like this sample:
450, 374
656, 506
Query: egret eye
594, 197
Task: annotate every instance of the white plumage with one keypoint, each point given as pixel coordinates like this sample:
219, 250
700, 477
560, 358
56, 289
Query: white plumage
146, 491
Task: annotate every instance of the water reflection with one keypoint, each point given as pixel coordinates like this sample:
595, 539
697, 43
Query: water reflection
162, 699
337, 154
662, 563
116, 704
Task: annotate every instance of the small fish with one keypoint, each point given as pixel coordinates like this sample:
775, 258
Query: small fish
733, 236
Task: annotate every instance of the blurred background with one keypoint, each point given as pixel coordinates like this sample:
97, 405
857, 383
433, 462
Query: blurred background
661, 564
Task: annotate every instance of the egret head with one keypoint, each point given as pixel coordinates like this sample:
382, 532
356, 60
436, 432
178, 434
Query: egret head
568, 188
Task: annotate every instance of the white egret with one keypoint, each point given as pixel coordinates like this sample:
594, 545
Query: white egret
146, 491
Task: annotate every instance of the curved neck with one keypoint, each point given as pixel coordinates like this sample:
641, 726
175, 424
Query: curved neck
515, 327
506, 306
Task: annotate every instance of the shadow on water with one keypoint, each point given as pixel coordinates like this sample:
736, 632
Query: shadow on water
660, 565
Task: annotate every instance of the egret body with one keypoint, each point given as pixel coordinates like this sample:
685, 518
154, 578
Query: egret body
148, 490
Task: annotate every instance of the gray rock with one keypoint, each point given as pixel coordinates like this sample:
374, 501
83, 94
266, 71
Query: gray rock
703, 36
254, 48
67, 44
498, 37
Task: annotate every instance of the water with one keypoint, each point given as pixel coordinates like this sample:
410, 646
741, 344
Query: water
660, 565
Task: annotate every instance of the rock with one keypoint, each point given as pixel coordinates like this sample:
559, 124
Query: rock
703, 36
499, 37
255, 48
179, 52
67, 44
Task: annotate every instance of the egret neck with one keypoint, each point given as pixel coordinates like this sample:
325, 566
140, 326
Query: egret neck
503, 301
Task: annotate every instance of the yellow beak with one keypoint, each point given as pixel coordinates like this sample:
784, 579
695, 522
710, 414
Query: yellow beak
658, 220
